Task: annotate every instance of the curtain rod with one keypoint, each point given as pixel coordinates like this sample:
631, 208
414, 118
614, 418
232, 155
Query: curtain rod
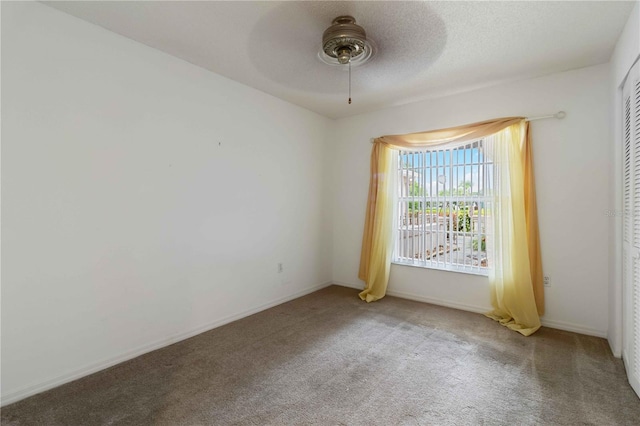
559, 115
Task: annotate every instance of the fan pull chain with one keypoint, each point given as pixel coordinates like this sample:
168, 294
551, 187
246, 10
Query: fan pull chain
349, 82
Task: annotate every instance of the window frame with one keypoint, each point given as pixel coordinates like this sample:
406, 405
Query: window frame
476, 222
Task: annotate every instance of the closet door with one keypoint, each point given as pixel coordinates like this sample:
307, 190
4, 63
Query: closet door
631, 226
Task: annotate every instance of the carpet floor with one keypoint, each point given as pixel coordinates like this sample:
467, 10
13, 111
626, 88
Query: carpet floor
330, 359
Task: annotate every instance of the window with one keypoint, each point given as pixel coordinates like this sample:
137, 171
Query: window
443, 207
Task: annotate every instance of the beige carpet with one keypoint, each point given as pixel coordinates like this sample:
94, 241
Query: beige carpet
329, 358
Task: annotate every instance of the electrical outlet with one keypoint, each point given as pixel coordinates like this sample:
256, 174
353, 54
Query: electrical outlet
280, 268
547, 281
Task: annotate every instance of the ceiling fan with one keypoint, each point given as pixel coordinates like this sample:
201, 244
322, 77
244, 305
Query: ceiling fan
346, 43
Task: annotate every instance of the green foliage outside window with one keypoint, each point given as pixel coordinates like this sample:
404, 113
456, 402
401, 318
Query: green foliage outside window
483, 244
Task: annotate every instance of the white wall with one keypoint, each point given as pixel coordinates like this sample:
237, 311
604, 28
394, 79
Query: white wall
626, 52
572, 175
144, 199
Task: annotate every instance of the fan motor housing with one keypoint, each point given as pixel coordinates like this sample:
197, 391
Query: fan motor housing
344, 39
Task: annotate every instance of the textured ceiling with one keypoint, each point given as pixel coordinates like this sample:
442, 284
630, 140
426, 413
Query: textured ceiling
424, 49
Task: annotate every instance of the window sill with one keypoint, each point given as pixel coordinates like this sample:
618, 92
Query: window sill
450, 268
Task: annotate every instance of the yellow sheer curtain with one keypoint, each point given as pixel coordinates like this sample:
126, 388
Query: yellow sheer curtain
512, 294
531, 212
377, 241
375, 258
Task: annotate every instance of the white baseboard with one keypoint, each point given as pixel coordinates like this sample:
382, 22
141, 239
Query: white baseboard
440, 302
565, 326
616, 347
349, 285
616, 353
101, 365
419, 298
559, 325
